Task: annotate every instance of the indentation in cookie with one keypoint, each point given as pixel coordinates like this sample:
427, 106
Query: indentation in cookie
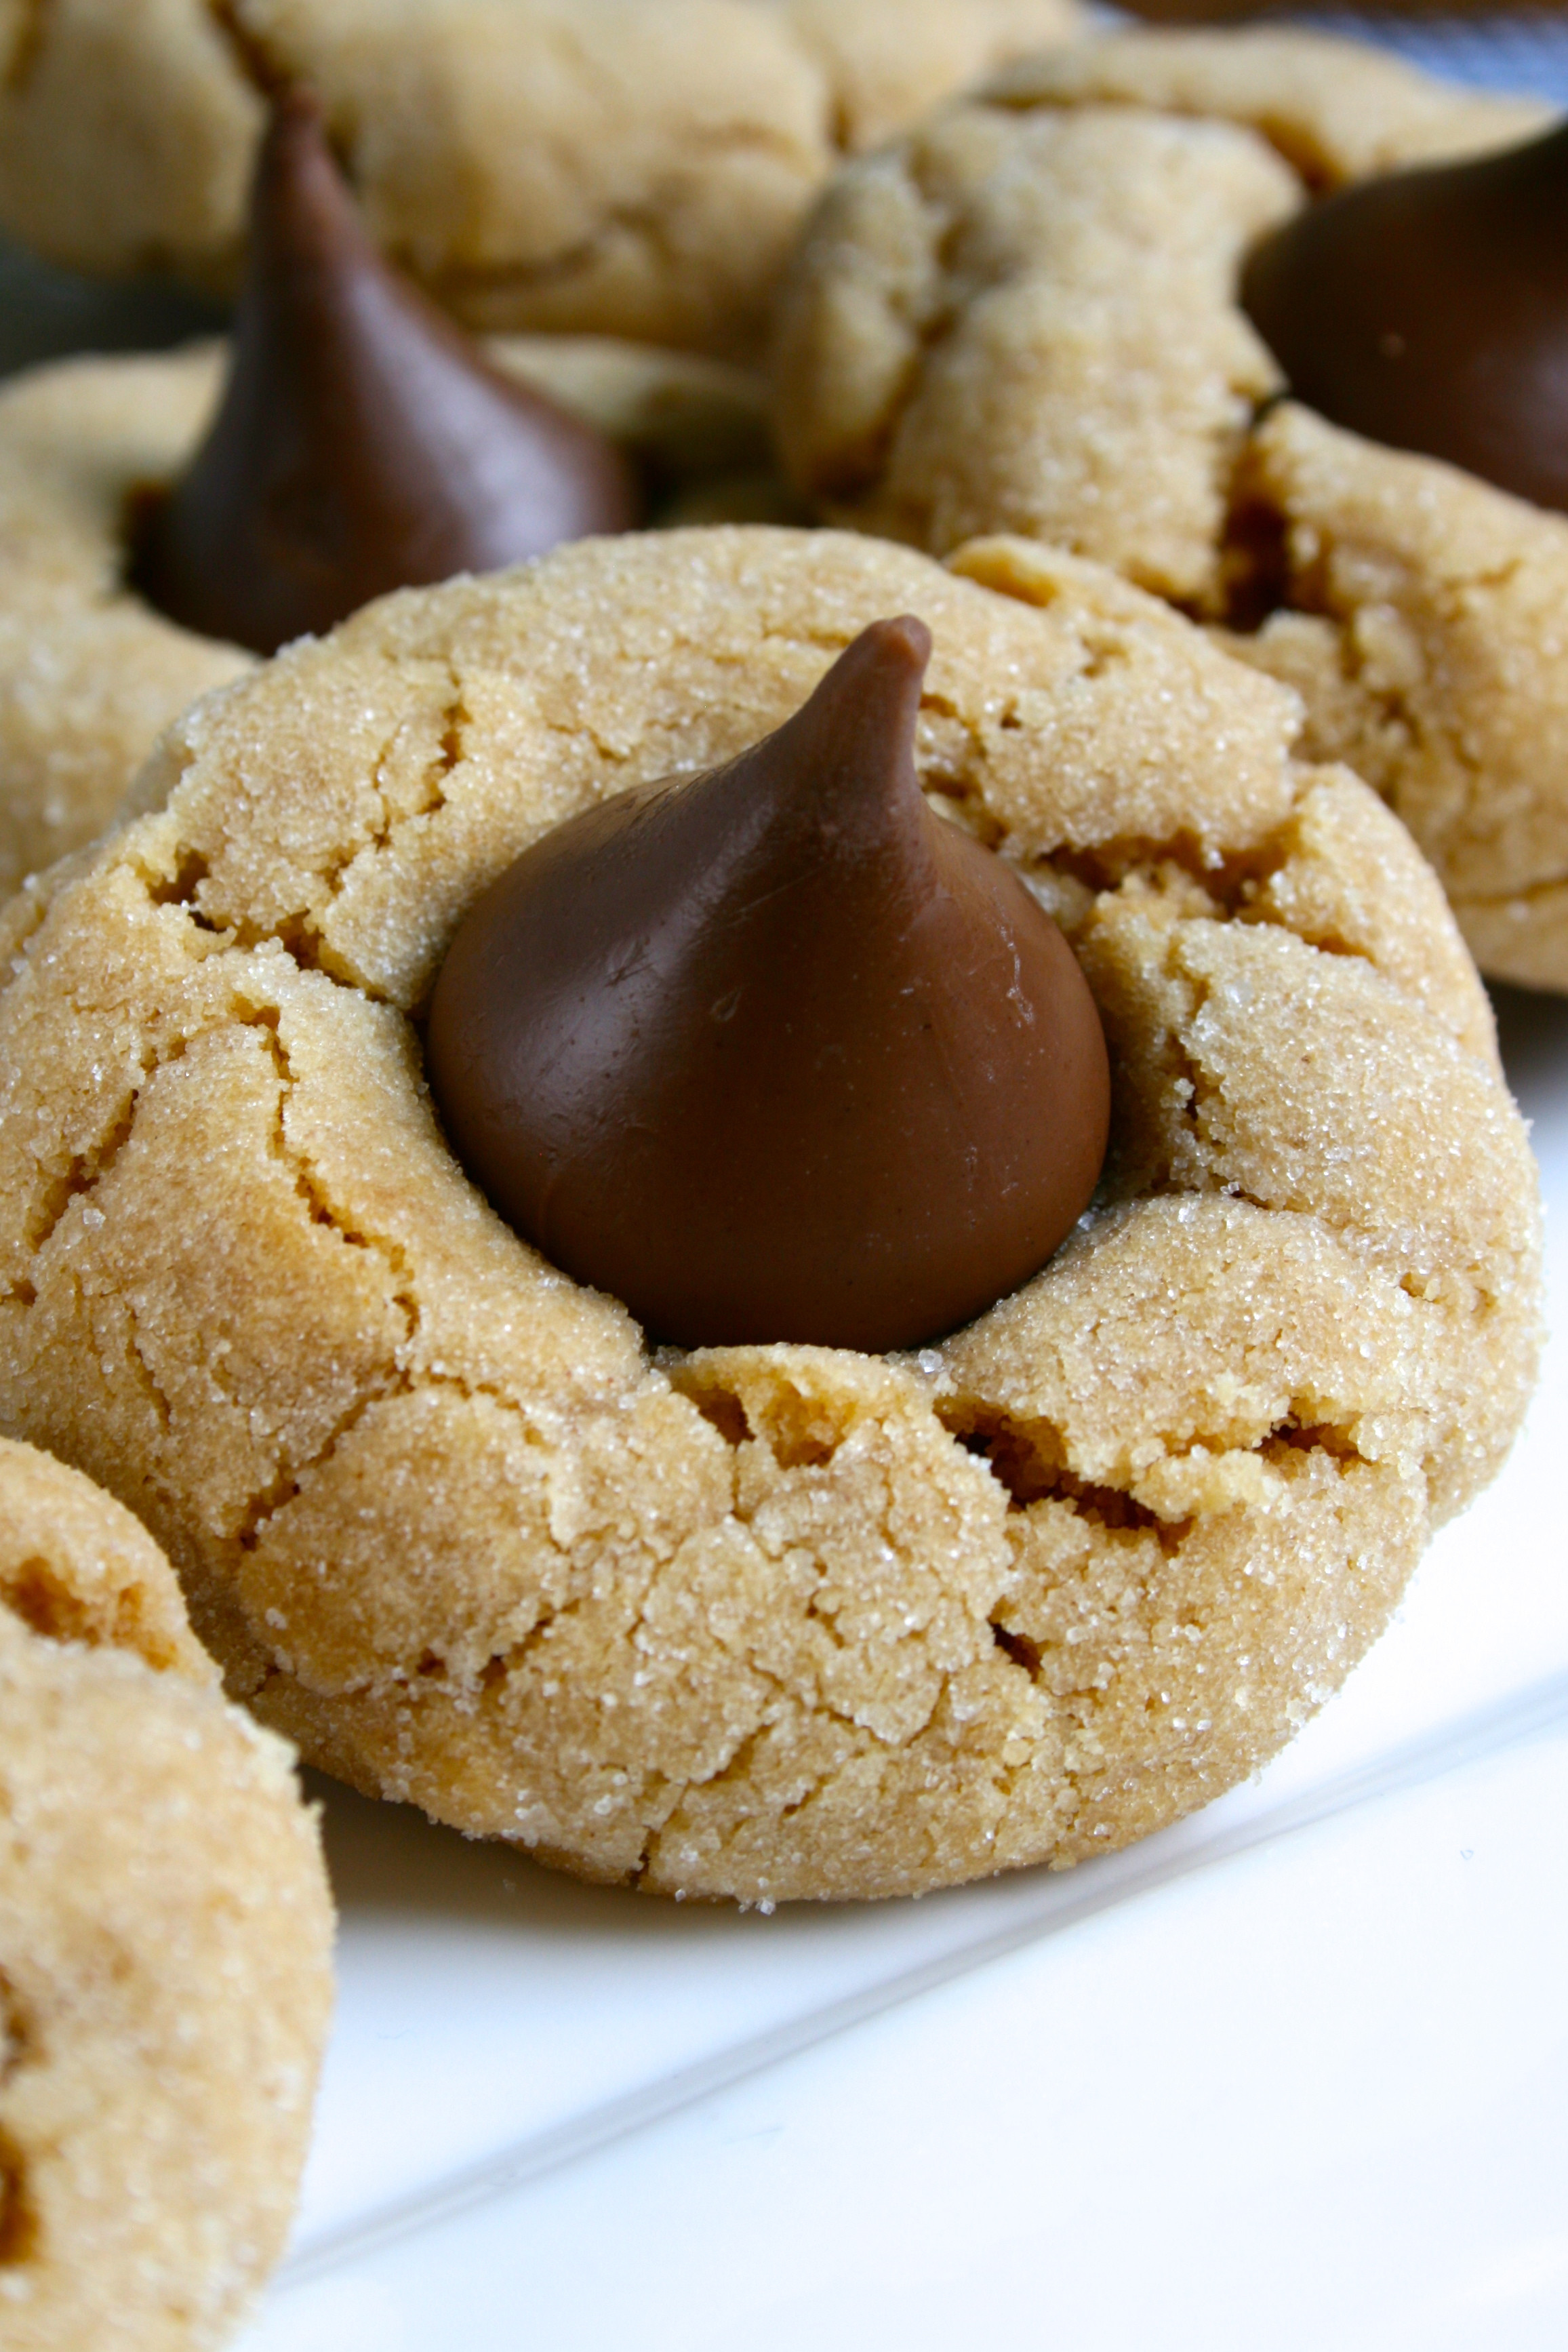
18, 2210
182, 888
1255, 580
18, 2034
45, 1601
1019, 1649
802, 1427
1027, 1460
247, 48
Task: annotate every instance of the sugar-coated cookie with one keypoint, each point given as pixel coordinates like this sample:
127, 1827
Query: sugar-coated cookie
772, 1621
89, 673
631, 167
165, 1940
1023, 316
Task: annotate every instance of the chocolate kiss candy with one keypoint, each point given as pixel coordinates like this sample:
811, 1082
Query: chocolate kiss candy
1429, 311
363, 443
775, 1053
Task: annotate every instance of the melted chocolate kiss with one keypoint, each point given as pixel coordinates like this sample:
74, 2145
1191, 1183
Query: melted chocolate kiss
363, 443
1429, 311
775, 1053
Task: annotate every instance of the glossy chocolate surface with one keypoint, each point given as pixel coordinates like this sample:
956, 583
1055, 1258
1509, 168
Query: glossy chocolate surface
1429, 311
775, 1053
363, 443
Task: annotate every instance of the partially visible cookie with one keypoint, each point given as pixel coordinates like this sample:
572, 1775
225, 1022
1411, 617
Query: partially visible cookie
165, 1934
1023, 316
1424, 620
631, 167
766, 1621
89, 673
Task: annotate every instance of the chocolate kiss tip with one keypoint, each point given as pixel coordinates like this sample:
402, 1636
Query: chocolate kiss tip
906, 640
294, 112
883, 669
854, 737
363, 443
1428, 311
766, 1073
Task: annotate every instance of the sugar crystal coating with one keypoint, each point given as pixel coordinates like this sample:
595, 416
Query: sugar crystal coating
166, 1934
767, 1622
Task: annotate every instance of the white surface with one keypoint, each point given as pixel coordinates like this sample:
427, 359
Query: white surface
1314, 2098
1293, 2073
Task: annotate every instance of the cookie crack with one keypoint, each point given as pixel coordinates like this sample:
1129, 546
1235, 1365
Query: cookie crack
1204, 1092
1199, 1092
454, 721
1028, 1459
396, 1379
269, 1500
741, 1757
854, 469
1018, 1647
454, 283
818, 1700
1233, 885
734, 1770
662, 1797
19, 2038
644, 220
1253, 554
264, 1022
87, 1169
19, 2216
248, 53
145, 1378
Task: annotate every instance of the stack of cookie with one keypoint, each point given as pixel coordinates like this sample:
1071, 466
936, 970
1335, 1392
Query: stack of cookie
777, 1174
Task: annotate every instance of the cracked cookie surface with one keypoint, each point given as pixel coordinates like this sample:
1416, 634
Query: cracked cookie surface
1023, 317
629, 167
166, 1934
90, 674
763, 1621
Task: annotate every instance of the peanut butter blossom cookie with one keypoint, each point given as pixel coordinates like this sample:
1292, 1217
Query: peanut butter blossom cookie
165, 1936
158, 515
633, 167
941, 1514
1279, 328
